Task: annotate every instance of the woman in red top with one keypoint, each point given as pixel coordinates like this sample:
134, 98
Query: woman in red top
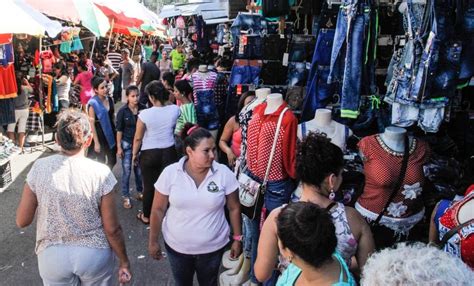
232, 131
84, 79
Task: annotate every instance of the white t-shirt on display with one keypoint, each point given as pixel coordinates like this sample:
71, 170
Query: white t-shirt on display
195, 222
160, 123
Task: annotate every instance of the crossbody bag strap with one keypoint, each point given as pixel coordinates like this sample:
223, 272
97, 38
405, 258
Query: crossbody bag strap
275, 140
399, 181
453, 231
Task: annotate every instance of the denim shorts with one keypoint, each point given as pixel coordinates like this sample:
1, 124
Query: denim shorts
206, 110
302, 48
254, 23
245, 75
297, 74
252, 49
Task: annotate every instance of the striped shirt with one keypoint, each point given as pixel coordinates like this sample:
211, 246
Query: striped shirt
115, 59
203, 82
188, 114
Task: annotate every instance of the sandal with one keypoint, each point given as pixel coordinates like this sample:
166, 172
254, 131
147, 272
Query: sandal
141, 218
126, 203
139, 196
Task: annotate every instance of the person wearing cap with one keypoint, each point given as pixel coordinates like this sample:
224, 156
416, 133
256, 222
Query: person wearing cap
128, 70
149, 72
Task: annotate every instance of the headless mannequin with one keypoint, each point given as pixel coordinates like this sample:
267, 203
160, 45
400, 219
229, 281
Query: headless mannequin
394, 138
323, 122
274, 101
203, 69
261, 95
466, 212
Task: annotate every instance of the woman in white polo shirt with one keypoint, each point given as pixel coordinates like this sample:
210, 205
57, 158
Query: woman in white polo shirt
194, 226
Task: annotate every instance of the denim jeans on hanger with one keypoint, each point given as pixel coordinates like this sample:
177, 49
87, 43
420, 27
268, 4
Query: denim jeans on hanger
346, 63
301, 48
467, 34
297, 74
252, 49
318, 91
245, 22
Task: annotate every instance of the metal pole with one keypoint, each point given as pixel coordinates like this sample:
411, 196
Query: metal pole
134, 44
93, 46
41, 98
111, 33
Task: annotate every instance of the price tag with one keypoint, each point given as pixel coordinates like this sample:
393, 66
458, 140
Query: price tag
244, 40
286, 57
239, 89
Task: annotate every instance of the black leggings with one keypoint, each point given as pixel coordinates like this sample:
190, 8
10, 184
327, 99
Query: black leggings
152, 163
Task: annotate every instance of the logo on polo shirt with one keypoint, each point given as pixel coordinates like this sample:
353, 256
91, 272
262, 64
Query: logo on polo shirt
212, 187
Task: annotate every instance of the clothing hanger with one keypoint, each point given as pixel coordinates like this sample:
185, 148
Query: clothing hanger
333, 2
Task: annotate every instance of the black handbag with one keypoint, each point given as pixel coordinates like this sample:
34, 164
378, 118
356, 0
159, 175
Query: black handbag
275, 8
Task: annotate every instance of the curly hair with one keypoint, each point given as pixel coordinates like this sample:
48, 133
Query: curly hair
308, 231
317, 158
412, 264
73, 129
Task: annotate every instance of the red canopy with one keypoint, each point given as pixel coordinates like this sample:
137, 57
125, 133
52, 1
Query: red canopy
121, 23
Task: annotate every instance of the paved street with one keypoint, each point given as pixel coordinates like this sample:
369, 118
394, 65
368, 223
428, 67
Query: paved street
18, 263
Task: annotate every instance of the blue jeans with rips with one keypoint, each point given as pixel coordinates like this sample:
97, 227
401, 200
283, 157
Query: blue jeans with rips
127, 166
318, 91
277, 194
346, 64
297, 74
254, 23
206, 110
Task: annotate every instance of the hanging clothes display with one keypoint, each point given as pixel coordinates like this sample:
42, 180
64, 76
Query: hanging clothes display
47, 61
76, 41
66, 38
204, 84
8, 84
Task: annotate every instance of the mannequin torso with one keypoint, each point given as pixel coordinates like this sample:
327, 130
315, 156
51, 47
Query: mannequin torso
394, 138
323, 123
261, 95
274, 101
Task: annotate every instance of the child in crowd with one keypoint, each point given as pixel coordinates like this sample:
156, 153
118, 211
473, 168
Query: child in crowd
183, 93
126, 126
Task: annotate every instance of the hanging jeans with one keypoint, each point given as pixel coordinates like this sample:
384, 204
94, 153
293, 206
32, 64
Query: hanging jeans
277, 194
206, 110
318, 91
297, 74
245, 22
248, 47
346, 63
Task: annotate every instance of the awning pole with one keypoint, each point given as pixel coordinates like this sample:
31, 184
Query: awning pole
111, 33
93, 46
134, 44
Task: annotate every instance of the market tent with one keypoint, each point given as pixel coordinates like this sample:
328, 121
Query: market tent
20, 18
75, 11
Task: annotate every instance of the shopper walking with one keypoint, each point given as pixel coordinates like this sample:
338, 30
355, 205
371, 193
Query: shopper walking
319, 164
84, 79
101, 115
177, 58
77, 229
127, 69
153, 145
149, 72
22, 105
127, 118
194, 226
164, 64
183, 93
307, 240
63, 85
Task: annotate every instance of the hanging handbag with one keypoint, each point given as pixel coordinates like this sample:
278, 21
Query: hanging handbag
452, 232
397, 184
251, 192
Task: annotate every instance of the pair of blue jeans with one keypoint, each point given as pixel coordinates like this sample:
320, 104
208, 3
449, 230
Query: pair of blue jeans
297, 74
127, 166
206, 110
254, 23
249, 47
318, 91
183, 266
220, 30
346, 61
246, 74
301, 48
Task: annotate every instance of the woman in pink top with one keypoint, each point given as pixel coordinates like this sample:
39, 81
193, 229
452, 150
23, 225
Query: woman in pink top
84, 80
233, 133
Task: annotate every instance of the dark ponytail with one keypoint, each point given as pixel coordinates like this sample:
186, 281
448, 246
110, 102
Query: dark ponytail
192, 135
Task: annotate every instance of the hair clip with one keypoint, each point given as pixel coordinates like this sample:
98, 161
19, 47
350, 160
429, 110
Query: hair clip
192, 129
